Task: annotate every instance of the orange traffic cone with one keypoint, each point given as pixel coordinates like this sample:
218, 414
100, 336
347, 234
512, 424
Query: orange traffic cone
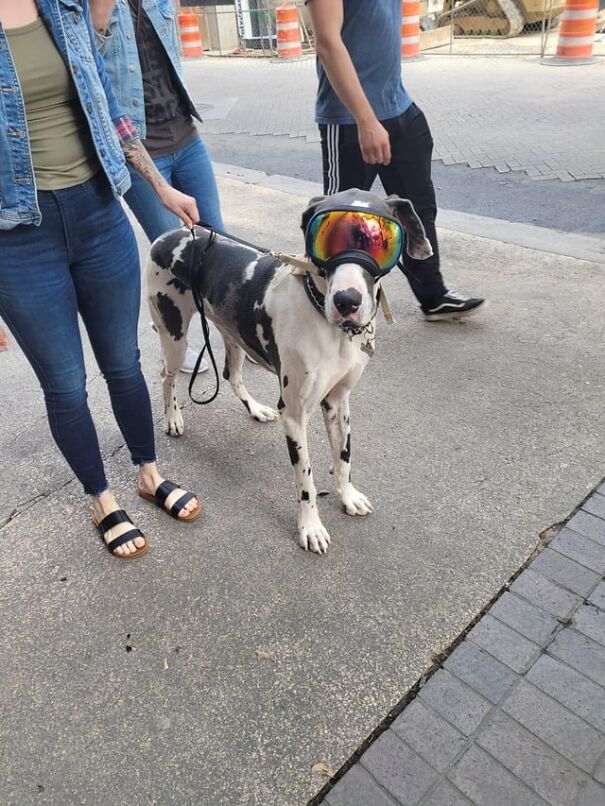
576, 34
289, 44
189, 34
410, 28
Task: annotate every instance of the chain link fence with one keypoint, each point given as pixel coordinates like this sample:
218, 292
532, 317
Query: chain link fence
495, 27
473, 27
245, 27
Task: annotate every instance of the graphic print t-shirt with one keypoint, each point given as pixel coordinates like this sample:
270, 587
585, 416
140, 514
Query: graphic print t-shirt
167, 117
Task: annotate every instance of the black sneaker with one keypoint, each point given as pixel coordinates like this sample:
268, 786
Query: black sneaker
453, 306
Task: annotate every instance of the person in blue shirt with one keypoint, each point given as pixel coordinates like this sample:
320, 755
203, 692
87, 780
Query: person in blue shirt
67, 249
139, 43
370, 127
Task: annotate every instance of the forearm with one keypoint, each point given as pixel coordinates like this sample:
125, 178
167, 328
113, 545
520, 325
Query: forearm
137, 155
180, 204
101, 11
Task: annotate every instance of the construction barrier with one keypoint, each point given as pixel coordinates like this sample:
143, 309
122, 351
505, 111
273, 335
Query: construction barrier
289, 44
410, 28
190, 35
577, 31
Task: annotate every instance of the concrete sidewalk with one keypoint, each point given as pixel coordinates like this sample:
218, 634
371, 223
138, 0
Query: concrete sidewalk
226, 664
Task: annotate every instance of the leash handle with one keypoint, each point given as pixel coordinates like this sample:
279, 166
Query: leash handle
195, 278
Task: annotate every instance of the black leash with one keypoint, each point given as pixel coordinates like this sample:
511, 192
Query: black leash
195, 283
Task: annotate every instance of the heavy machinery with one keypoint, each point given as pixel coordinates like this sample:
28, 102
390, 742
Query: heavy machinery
501, 18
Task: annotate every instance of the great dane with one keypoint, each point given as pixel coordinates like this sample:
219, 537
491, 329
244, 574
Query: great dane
314, 333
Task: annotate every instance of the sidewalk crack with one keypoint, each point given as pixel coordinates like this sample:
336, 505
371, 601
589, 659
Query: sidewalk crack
26, 505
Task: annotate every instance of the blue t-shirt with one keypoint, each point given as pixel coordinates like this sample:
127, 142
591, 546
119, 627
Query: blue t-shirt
371, 32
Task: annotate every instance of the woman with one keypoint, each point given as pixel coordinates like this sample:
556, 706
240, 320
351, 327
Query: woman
143, 35
66, 246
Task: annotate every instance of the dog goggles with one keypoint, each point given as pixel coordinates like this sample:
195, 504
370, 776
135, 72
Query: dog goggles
333, 233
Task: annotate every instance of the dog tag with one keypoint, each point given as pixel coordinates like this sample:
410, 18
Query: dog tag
368, 348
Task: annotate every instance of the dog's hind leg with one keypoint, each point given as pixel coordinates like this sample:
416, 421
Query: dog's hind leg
335, 407
171, 312
234, 362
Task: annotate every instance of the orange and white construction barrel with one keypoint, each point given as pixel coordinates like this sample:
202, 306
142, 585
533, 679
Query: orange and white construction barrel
190, 35
576, 33
410, 28
289, 42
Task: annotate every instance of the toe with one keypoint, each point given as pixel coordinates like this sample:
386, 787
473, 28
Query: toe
139, 542
189, 507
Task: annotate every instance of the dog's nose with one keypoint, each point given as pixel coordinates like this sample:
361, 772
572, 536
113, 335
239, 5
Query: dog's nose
347, 302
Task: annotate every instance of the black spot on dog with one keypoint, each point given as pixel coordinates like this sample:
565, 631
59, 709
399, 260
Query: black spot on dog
325, 405
163, 250
178, 284
226, 372
292, 450
280, 404
285, 382
171, 316
346, 454
304, 496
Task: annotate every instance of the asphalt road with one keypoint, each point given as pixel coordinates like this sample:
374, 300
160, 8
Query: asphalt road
568, 206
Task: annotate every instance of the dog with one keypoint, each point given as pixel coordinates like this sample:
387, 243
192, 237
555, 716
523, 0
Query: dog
316, 335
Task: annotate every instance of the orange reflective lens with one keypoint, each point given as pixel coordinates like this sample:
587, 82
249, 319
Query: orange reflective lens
336, 231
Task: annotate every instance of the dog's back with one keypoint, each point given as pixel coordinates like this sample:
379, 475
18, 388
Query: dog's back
233, 279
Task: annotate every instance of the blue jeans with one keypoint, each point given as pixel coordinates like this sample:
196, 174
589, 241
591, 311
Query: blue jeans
190, 171
83, 258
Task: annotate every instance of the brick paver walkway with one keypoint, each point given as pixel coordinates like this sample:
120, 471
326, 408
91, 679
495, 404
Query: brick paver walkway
516, 713
512, 114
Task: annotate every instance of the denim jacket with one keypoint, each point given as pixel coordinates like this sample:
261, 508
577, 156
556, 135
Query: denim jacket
69, 24
121, 57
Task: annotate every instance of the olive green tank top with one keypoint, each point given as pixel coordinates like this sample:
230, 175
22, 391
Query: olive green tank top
63, 153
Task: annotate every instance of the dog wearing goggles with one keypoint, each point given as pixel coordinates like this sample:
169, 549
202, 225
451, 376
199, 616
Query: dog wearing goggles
315, 332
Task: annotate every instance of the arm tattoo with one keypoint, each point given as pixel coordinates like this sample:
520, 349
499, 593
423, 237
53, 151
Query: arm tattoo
136, 154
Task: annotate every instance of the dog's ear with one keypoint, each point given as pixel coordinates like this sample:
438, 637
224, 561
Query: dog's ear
310, 211
417, 244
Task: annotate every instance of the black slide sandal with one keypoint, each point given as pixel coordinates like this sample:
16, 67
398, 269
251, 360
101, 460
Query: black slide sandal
113, 519
162, 493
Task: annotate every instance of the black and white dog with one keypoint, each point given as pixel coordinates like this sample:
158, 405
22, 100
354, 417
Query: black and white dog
316, 335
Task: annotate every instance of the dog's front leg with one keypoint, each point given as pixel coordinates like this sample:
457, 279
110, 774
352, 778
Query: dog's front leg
312, 535
335, 407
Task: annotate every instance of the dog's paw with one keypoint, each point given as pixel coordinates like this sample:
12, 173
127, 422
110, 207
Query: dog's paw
264, 414
356, 503
174, 424
313, 536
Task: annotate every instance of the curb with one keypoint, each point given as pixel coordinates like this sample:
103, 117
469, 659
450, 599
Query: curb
542, 239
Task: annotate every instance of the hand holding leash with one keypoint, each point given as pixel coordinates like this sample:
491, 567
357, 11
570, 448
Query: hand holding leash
180, 204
